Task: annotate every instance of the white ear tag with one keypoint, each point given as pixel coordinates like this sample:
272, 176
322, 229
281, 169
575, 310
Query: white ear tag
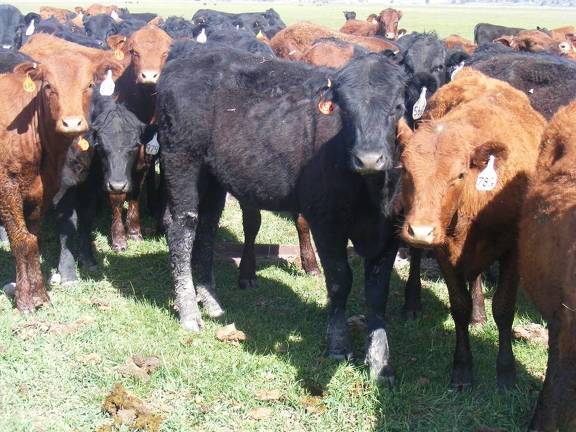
455, 71
30, 29
114, 16
153, 146
488, 178
420, 105
107, 86
202, 38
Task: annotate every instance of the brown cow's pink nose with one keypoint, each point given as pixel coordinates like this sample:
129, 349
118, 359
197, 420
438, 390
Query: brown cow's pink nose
149, 76
73, 125
421, 234
390, 35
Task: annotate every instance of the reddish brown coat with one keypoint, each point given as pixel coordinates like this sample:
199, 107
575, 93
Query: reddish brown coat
389, 19
454, 41
329, 54
547, 264
61, 15
361, 28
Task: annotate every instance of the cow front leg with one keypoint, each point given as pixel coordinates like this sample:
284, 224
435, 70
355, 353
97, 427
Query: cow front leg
67, 225
86, 211
307, 254
211, 208
377, 273
118, 233
478, 309
251, 221
133, 215
37, 286
413, 289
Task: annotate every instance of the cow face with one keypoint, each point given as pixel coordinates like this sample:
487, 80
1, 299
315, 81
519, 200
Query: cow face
389, 19
116, 135
12, 27
424, 53
100, 28
64, 84
368, 94
440, 165
148, 49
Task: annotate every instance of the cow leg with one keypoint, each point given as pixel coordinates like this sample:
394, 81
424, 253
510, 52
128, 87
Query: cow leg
118, 234
377, 283
567, 359
338, 275
37, 286
461, 310
133, 215
503, 305
251, 220
67, 224
86, 212
545, 414
183, 204
478, 309
211, 208
307, 254
413, 290
152, 200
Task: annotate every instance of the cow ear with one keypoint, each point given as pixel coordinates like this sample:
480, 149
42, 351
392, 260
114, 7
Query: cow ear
402, 32
481, 154
117, 42
31, 69
322, 89
505, 40
404, 132
102, 68
399, 15
394, 55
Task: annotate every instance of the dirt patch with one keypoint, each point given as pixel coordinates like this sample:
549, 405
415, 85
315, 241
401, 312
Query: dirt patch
139, 367
230, 334
32, 329
535, 333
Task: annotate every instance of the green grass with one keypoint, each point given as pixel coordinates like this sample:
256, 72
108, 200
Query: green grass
207, 385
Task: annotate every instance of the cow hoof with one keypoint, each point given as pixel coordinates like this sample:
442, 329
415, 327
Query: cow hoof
461, 378
120, 246
340, 356
192, 324
213, 309
10, 289
478, 320
377, 356
338, 341
247, 284
55, 279
410, 314
89, 266
314, 272
506, 379
135, 237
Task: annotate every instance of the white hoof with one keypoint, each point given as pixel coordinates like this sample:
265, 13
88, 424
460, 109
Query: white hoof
55, 279
191, 325
10, 289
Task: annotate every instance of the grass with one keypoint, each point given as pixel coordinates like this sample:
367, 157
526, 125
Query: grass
46, 383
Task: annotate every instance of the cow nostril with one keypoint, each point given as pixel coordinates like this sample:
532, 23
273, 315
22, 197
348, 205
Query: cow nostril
65, 123
143, 75
79, 123
155, 75
117, 186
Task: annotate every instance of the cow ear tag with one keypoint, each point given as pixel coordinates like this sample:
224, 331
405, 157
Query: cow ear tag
456, 70
487, 179
260, 35
119, 54
326, 107
83, 144
28, 84
107, 86
420, 105
30, 29
202, 38
153, 146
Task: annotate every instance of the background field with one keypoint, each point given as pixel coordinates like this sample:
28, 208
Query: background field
57, 366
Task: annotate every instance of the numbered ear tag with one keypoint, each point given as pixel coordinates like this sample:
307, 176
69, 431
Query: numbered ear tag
153, 146
30, 29
455, 71
114, 16
488, 178
83, 144
202, 38
326, 107
420, 105
260, 35
107, 87
29, 85
118, 54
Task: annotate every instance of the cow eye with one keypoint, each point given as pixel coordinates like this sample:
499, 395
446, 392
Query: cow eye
461, 176
134, 53
91, 85
438, 68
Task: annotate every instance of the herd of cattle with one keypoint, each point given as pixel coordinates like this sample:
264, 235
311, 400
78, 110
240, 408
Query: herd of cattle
370, 134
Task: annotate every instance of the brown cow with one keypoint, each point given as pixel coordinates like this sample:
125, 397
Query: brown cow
469, 121
330, 53
45, 110
389, 19
293, 41
97, 9
532, 41
454, 41
547, 267
146, 51
361, 28
60, 14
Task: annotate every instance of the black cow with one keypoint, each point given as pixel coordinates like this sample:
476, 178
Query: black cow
269, 22
349, 15
12, 27
283, 136
548, 80
99, 27
142, 16
114, 138
128, 26
486, 33
178, 27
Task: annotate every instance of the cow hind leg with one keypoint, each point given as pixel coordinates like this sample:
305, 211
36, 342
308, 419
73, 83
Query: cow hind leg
67, 224
118, 233
413, 290
86, 211
251, 221
133, 215
377, 283
478, 309
307, 254
503, 305
211, 207
37, 286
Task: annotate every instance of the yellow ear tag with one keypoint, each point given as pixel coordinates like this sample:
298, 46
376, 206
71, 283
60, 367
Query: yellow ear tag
28, 84
119, 54
83, 144
326, 107
260, 35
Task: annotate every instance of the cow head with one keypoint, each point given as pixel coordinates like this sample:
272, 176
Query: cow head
368, 95
532, 41
349, 15
389, 19
147, 49
64, 86
440, 164
100, 28
115, 134
424, 53
12, 27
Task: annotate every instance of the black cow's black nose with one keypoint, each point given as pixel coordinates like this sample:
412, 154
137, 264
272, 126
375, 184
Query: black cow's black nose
368, 162
118, 187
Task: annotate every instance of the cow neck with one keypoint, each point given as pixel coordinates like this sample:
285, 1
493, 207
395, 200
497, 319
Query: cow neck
139, 99
53, 147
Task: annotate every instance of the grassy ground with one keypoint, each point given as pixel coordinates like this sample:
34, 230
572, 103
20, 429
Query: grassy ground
57, 367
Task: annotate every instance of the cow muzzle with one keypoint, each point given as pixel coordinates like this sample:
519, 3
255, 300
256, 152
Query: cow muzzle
369, 162
419, 235
149, 77
390, 35
72, 125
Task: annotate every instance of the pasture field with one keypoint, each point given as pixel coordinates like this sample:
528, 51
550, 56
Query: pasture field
57, 366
